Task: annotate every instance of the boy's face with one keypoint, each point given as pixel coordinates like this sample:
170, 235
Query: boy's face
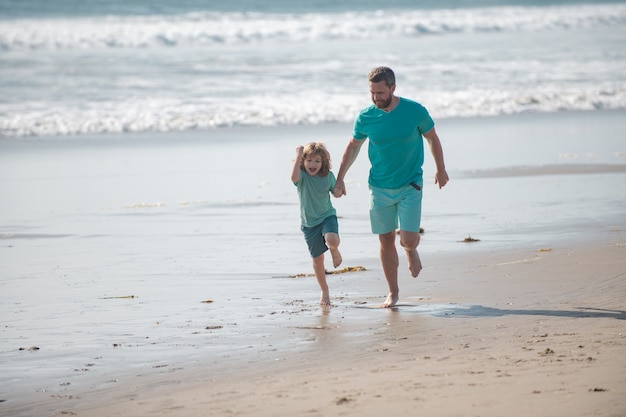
312, 164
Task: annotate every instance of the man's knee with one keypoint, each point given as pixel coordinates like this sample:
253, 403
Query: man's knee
387, 239
409, 240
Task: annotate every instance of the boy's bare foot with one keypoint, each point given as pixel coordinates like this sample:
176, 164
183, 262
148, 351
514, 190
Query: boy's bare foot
325, 299
337, 259
415, 264
390, 301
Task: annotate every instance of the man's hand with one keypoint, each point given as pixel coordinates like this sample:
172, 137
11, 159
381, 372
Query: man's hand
340, 189
441, 178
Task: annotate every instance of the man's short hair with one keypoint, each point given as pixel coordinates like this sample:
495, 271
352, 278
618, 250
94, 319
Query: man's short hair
385, 74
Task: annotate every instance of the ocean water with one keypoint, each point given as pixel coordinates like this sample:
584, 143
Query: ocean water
82, 67
153, 131
145, 150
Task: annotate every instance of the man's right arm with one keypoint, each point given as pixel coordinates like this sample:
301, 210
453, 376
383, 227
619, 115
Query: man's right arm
348, 158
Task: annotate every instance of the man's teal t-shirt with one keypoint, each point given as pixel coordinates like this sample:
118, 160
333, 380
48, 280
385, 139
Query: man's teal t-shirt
396, 148
314, 192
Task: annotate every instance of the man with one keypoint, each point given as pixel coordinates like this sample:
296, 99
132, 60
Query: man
395, 127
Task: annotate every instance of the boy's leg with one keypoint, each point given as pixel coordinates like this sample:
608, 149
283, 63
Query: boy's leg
320, 274
332, 241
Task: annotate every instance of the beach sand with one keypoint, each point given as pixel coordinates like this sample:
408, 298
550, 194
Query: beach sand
517, 333
166, 275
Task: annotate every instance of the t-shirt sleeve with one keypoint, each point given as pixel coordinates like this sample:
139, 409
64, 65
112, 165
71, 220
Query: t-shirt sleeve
332, 181
357, 132
425, 121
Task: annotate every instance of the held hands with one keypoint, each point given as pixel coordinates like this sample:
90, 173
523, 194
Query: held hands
441, 178
340, 189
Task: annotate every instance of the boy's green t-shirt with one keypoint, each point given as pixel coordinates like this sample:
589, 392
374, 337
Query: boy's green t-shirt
314, 192
396, 148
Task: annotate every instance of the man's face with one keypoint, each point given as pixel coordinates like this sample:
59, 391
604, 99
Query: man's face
381, 94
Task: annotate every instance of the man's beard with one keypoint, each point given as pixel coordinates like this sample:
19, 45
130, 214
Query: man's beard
384, 104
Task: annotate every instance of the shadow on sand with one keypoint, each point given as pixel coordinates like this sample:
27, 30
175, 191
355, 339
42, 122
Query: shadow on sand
460, 310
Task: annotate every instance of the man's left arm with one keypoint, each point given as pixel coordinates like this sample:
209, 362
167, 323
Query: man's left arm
441, 176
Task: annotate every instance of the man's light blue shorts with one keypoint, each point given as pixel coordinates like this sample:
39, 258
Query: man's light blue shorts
390, 206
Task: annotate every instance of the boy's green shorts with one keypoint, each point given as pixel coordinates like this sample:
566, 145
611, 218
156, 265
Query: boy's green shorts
314, 236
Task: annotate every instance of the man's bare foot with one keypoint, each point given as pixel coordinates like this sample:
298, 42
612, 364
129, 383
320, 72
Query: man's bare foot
415, 264
325, 299
390, 301
337, 259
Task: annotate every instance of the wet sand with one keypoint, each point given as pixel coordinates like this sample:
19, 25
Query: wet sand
532, 332
153, 275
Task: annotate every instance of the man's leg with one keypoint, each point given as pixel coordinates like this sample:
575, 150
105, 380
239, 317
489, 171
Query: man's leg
410, 213
389, 262
409, 241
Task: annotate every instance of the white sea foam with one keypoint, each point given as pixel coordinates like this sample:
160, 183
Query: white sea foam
235, 28
202, 70
162, 116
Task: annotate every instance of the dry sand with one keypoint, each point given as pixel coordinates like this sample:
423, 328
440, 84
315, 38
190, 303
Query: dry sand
532, 332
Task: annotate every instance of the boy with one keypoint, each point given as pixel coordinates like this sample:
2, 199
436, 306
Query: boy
311, 174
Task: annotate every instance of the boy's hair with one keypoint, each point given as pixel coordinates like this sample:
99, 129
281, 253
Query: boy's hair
317, 148
385, 74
